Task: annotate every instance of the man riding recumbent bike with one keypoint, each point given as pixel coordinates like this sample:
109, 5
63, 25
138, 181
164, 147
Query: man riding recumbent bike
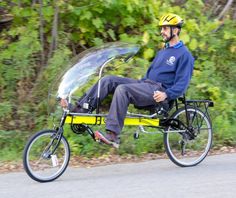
187, 131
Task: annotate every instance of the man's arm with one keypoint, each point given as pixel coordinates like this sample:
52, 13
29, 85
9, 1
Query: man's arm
182, 78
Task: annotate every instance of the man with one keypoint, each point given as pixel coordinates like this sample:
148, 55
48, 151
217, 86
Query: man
166, 79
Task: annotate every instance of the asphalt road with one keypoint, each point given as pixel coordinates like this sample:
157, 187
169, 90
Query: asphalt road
214, 177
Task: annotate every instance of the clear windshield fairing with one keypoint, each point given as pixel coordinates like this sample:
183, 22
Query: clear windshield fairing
89, 62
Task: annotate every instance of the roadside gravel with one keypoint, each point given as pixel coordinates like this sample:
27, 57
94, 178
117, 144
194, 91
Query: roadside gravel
17, 166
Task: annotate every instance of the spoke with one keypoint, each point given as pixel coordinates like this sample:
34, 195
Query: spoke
187, 145
183, 147
39, 162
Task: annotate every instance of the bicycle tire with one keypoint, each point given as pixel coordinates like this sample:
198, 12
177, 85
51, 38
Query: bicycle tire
41, 168
196, 149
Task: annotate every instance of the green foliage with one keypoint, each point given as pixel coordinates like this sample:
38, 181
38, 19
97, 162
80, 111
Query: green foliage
84, 145
25, 79
12, 145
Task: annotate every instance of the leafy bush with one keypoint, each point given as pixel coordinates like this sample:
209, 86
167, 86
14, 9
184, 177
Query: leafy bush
28, 66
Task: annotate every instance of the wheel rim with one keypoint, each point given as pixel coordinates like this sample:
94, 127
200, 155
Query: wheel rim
42, 166
182, 149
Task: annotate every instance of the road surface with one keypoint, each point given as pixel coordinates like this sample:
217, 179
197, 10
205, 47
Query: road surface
214, 177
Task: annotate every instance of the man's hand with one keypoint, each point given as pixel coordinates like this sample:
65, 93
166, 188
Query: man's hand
159, 96
64, 103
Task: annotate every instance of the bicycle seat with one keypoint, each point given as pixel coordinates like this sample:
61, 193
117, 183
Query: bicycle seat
161, 108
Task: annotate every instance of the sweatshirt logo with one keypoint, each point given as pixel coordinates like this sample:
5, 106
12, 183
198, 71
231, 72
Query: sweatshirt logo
170, 61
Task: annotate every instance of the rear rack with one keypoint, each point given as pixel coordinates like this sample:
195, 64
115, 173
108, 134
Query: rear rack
200, 104
207, 103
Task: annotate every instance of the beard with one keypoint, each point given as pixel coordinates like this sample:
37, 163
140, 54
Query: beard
164, 37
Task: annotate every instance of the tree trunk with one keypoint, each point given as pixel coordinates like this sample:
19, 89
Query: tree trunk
41, 32
53, 44
234, 16
19, 3
226, 8
33, 3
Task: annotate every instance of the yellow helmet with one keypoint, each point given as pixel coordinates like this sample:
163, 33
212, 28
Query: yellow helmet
171, 20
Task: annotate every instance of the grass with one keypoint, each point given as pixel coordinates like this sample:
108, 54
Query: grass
12, 143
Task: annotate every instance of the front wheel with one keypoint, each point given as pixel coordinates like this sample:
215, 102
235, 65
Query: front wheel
44, 158
188, 141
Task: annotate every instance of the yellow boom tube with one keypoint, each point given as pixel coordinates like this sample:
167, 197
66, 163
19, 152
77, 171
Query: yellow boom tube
98, 120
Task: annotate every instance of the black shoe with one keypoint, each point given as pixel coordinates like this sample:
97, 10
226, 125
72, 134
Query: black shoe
109, 138
78, 109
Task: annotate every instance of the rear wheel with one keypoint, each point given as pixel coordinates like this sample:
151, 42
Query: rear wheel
41, 162
188, 146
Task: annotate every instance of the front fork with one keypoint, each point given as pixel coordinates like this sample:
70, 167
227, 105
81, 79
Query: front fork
55, 138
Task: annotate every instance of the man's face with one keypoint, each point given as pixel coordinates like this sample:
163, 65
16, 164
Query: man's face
165, 32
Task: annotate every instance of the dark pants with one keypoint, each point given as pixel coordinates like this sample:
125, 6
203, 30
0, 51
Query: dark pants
126, 91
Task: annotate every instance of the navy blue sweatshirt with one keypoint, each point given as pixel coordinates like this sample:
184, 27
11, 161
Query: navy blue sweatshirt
173, 68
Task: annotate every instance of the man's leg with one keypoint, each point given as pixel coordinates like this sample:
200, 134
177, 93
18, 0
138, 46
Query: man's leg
108, 85
140, 94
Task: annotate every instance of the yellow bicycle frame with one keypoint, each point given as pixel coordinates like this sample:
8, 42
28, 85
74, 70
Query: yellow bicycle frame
101, 119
